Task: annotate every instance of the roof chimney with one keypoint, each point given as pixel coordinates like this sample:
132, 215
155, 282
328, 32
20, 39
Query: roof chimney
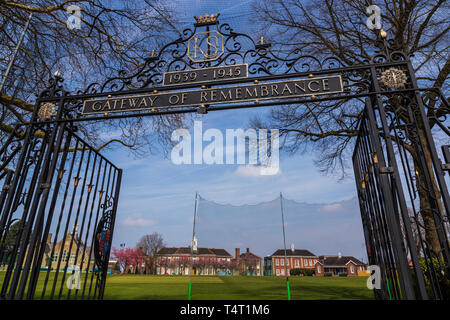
237, 253
340, 255
248, 250
292, 247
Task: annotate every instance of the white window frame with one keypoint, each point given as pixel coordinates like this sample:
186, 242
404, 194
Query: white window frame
282, 262
297, 264
352, 270
276, 262
278, 272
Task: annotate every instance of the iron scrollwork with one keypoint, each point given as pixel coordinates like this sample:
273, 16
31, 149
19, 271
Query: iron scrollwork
102, 240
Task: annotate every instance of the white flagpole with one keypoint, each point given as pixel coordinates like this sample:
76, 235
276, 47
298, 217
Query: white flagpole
193, 242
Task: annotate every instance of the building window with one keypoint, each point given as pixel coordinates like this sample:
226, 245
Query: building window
278, 272
296, 263
65, 256
282, 272
55, 257
351, 269
318, 269
276, 262
282, 262
310, 262
287, 262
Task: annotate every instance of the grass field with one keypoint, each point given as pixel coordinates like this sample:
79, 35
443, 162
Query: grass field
147, 287
238, 288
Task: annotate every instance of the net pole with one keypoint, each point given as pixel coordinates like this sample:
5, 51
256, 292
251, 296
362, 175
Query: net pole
19, 43
192, 246
285, 253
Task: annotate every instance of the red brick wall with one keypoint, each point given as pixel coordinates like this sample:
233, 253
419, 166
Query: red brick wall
349, 271
319, 270
291, 263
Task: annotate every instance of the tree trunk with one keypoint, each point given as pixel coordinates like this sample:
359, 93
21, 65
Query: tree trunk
426, 200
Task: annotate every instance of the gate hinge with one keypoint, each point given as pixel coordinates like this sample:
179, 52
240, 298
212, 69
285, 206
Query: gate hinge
445, 166
386, 170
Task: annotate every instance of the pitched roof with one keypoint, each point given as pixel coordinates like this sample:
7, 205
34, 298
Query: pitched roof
338, 261
249, 255
187, 250
220, 252
167, 250
296, 252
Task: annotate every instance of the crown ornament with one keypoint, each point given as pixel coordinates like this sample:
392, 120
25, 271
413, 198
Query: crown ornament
206, 18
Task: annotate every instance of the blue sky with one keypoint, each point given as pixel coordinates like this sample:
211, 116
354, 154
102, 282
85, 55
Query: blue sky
158, 196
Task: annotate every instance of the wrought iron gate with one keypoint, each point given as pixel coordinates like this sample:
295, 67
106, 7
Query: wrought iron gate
402, 191
58, 206
58, 190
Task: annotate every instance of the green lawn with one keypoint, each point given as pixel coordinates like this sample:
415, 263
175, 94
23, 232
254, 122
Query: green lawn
147, 287
238, 287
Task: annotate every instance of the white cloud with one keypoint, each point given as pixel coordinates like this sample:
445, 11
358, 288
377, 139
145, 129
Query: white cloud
251, 171
136, 220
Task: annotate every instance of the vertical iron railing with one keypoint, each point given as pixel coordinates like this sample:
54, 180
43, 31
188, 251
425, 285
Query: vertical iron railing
56, 190
400, 182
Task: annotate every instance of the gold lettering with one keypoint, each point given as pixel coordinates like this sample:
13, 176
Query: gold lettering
93, 106
144, 101
325, 85
213, 95
133, 102
249, 94
196, 46
171, 100
228, 96
214, 45
274, 89
122, 103
264, 91
107, 105
286, 88
183, 97
152, 100
315, 82
238, 93
297, 85
203, 96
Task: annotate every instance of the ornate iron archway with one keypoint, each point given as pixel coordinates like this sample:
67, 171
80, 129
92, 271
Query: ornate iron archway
209, 68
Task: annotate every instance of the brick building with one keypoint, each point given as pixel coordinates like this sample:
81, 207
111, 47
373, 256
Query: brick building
206, 261
295, 258
249, 263
339, 265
